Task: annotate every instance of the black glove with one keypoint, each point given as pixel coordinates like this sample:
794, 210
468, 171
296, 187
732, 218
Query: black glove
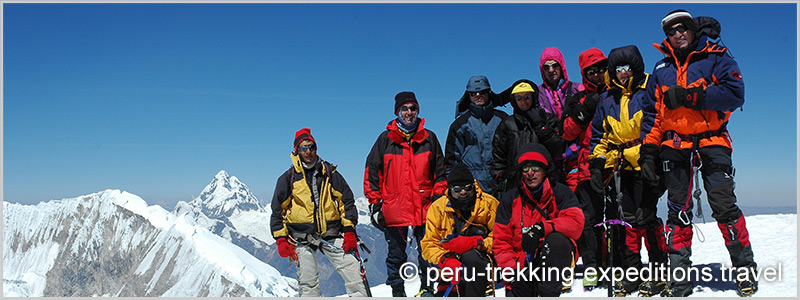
596, 167
538, 118
648, 155
584, 112
677, 96
376, 216
695, 98
532, 238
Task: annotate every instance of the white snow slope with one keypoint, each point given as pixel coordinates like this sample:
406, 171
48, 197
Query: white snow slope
112, 244
774, 241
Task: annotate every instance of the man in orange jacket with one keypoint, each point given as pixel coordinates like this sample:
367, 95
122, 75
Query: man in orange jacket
694, 90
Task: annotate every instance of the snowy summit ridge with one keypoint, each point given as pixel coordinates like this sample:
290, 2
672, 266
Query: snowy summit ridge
111, 243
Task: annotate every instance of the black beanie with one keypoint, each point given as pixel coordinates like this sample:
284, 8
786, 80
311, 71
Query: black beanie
460, 175
678, 16
402, 98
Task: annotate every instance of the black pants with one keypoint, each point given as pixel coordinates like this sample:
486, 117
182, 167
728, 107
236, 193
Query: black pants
396, 239
556, 252
639, 204
592, 206
473, 284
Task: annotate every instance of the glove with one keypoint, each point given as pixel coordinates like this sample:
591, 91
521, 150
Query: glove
532, 238
583, 112
695, 98
286, 249
350, 242
591, 102
538, 117
453, 264
648, 154
596, 167
376, 216
463, 244
677, 96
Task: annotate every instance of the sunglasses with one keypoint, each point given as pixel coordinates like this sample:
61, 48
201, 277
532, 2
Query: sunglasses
680, 28
625, 68
593, 71
306, 148
554, 65
527, 168
523, 97
458, 188
483, 92
410, 107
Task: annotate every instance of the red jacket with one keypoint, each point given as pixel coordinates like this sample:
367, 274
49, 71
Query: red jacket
573, 131
564, 216
406, 175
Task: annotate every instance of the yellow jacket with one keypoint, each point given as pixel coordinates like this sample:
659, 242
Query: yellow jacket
293, 208
621, 120
441, 222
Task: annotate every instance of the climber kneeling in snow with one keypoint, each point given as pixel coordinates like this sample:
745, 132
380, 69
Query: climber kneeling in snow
458, 233
313, 208
537, 225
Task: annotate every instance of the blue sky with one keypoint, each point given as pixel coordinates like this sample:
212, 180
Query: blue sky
155, 99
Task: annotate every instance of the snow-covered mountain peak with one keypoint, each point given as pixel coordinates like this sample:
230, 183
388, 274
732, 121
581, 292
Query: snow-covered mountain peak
224, 195
111, 243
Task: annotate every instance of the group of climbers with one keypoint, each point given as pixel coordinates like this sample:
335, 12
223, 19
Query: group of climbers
574, 168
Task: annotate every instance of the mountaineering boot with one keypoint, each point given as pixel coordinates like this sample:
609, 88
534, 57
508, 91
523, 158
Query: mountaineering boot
679, 243
625, 287
651, 288
747, 286
589, 282
654, 285
737, 241
425, 292
398, 291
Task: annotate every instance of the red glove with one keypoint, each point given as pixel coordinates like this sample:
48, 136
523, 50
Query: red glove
453, 264
286, 249
350, 242
463, 244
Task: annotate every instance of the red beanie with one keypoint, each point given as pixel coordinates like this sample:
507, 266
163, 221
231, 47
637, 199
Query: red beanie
302, 135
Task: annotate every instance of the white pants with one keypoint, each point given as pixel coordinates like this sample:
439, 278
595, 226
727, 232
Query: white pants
345, 263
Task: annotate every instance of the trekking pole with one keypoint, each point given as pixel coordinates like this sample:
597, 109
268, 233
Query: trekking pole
610, 243
362, 271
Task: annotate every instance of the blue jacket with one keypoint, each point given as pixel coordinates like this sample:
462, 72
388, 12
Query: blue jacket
708, 66
469, 141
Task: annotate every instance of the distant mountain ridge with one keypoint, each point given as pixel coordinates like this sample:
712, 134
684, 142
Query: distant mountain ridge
112, 244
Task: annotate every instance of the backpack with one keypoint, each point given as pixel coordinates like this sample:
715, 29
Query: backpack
710, 27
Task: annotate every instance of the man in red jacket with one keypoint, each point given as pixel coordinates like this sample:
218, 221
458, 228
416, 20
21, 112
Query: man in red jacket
404, 174
578, 114
536, 226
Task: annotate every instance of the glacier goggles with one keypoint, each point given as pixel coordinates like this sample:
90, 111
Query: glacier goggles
549, 66
483, 92
680, 28
307, 147
625, 68
458, 188
593, 71
408, 107
528, 167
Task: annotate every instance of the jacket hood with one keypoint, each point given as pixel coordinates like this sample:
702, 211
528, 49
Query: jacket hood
588, 58
554, 54
627, 55
507, 97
